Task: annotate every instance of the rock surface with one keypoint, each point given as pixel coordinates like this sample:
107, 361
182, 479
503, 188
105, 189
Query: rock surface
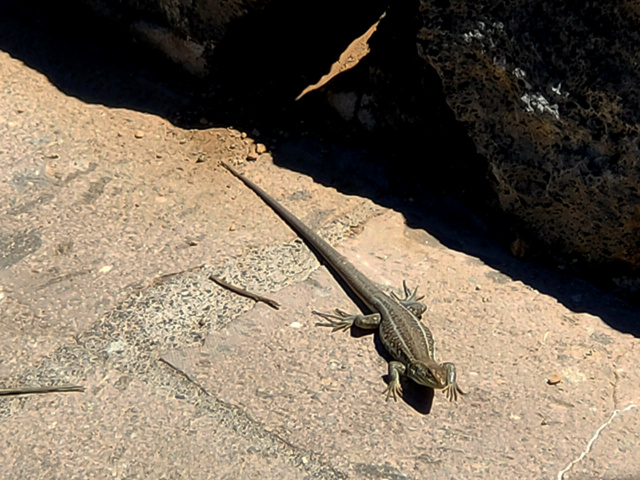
550, 94
108, 206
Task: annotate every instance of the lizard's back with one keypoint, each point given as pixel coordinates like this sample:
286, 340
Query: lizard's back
404, 336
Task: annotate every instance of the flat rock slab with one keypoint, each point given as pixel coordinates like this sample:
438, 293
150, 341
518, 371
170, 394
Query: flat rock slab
322, 392
112, 222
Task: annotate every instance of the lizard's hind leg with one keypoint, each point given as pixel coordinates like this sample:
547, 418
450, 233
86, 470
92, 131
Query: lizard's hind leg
344, 321
411, 301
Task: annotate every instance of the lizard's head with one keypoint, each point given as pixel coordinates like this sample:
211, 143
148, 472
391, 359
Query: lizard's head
427, 374
436, 376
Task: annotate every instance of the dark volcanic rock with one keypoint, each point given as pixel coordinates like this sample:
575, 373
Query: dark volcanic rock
549, 92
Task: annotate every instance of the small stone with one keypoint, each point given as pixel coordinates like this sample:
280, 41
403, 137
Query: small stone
554, 378
139, 134
261, 148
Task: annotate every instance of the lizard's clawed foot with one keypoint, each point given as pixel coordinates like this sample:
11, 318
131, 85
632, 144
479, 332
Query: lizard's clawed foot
340, 321
411, 301
451, 391
394, 389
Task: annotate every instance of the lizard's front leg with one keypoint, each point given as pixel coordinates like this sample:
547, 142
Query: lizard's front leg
394, 388
452, 389
344, 321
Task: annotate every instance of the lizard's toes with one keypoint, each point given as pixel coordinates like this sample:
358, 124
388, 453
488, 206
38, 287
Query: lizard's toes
451, 392
393, 390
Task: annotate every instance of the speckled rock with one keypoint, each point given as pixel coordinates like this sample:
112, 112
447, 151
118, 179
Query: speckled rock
550, 95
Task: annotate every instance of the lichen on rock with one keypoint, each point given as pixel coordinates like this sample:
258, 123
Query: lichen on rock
550, 94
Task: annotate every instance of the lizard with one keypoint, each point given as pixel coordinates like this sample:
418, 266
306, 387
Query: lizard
401, 332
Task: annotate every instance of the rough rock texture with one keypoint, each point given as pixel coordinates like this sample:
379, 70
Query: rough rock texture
550, 94
105, 200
